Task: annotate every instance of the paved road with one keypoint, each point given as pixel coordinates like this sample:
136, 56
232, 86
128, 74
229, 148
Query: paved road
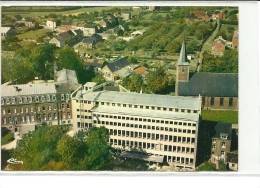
207, 44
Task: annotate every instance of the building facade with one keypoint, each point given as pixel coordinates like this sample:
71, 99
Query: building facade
160, 125
26, 105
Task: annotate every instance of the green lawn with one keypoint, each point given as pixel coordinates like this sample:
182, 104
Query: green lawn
34, 34
219, 115
206, 166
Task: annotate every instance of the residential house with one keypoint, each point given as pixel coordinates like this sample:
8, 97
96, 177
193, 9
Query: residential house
62, 39
88, 31
140, 70
218, 47
232, 160
220, 15
218, 90
125, 16
5, 31
50, 25
221, 143
116, 69
95, 64
89, 42
29, 24
201, 15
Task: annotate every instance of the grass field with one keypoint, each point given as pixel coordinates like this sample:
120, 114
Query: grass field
37, 13
34, 34
218, 115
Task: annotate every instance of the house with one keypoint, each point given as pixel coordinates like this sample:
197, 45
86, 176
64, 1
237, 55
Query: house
221, 143
50, 25
29, 24
94, 64
88, 31
89, 42
62, 39
218, 46
235, 39
66, 28
5, 31
219, 15
232, 160
140, 70
201, 15
218, 90
125, 16
116, 69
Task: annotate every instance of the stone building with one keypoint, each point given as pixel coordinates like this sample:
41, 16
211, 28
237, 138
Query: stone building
221, 143
161, 125
24, 106
218, 90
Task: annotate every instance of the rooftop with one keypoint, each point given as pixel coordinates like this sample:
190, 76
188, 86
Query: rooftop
210, 84
27, 89
143, 99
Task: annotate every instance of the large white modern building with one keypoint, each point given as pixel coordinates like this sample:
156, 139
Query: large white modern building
160, 125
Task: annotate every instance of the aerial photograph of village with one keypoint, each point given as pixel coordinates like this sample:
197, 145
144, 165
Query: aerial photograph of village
105, 88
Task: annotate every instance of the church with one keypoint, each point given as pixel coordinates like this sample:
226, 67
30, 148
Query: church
218, 90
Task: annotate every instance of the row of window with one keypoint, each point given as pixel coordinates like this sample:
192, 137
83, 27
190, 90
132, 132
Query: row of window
32, 118
152, 136
144, 145
221, 101
145, 120
32, 109
30, 99
178, 149
139, 106
149, 127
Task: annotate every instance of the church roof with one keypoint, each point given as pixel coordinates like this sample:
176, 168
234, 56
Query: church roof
210, 84
183, 56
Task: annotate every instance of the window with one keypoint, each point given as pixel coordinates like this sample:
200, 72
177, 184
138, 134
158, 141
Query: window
203, 100
212, 101
221, 101
230, 102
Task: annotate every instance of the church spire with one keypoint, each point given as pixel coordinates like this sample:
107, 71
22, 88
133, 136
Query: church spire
183, 55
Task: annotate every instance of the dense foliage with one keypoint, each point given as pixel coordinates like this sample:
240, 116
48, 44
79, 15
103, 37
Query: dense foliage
228, 63
49, 148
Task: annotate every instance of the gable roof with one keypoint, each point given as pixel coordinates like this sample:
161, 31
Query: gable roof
65, 36
210, 84
93, 39
118, 64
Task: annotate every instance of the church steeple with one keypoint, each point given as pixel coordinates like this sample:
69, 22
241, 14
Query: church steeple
182, 68
183, 55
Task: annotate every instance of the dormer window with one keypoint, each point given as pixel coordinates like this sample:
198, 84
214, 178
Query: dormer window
20, 100
30, 99
2, 101
43, 98
62, 97
53, 97
7, 101
13, 100
48, 98
37, 99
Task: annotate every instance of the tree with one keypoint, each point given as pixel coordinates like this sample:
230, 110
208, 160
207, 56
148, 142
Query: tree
68, 59
42, 58
99, 79
157, 81
70, 150
38, 148
134, 83
98, 154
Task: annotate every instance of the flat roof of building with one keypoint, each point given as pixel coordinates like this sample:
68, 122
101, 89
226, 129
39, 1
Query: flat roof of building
27, 89
167, 101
